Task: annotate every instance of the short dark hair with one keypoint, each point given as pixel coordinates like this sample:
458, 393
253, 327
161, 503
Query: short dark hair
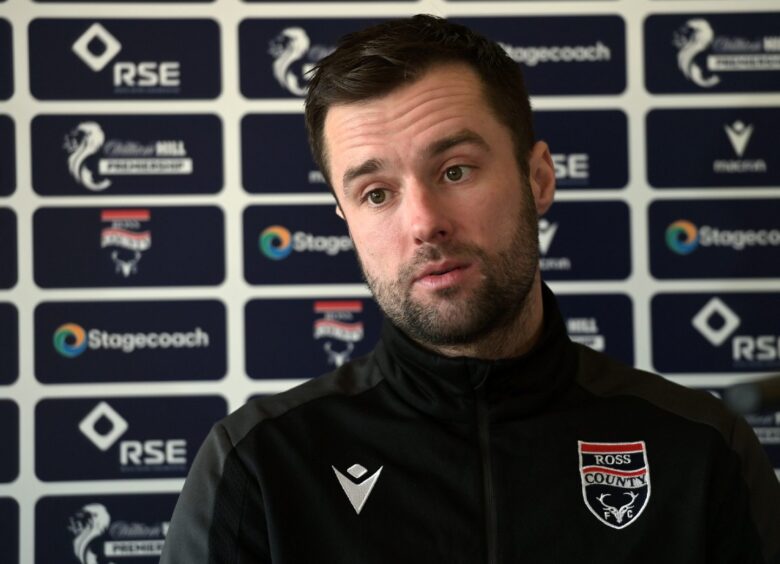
374, 61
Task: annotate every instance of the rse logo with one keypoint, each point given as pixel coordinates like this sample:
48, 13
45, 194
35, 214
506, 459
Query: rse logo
125, 73
575, 166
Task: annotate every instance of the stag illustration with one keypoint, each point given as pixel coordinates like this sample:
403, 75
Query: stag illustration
618, 514
338, 358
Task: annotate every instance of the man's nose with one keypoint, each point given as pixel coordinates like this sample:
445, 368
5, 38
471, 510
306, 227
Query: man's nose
428, 214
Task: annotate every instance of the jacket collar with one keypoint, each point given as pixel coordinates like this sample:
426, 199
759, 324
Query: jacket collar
448, 387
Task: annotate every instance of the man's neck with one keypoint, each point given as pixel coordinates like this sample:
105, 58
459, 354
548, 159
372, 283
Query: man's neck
510, 340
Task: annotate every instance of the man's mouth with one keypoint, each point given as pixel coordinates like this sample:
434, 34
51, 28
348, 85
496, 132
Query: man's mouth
442, 275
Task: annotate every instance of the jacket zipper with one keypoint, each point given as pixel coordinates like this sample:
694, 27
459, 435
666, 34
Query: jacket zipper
483, 428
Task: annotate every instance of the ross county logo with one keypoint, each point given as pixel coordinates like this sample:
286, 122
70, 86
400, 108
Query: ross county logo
96, 537
739, 136
134, 455
338, 323
683, 237
717, 322
162, 76
127, 236
121, 158
71, 340
721, 53
294, 56
615, 481
277, 243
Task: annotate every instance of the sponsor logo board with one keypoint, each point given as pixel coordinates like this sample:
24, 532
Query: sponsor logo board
286, 164
9, 434
714, 238
712, 148
585, 241
122, 437
590, 148
277, 54
102, 528
9, 530
710, 53
297, 245
139, 154
80, 59
156, 246
561, 55
8, 252
711, 333
767, 428
9, 336
603, 322
7, 156
326, 333
129, 341
6, 60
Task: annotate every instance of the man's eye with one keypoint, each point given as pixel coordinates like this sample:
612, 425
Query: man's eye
376, 197
456, 173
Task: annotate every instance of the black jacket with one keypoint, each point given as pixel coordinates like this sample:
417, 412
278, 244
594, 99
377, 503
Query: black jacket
405, 456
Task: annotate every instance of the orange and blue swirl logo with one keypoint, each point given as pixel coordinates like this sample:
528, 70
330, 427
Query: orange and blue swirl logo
276, 242
682, 237
70, 340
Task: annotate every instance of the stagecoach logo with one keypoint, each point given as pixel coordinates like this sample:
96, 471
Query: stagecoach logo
96, 539
702, 54
615, 481
294, 57
127, 236
120, 157
339, 328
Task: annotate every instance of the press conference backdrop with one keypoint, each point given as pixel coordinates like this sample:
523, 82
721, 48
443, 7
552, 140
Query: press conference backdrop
168, 249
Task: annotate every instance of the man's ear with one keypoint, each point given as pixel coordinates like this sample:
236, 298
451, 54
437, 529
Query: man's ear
542, 175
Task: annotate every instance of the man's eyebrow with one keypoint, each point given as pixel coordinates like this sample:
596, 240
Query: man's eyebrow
464, 136
368, 167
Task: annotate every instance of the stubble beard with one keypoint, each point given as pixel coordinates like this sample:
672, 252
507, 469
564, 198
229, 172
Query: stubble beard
457, 316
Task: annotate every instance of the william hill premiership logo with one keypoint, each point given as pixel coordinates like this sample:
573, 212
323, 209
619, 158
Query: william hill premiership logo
93, 159
97, 48
338, 328
127, 236
615, 481
703, 55
683, 237
293, 57
97, 538
277, 243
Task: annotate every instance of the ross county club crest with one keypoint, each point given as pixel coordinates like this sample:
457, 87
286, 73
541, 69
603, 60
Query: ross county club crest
615, 481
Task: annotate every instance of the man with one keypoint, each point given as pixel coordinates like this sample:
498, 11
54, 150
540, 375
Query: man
475, 431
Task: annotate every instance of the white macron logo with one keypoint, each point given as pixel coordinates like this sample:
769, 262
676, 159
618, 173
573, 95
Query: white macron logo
739, 136
701, 321
357, 493
105, 440
546, 234
111, 47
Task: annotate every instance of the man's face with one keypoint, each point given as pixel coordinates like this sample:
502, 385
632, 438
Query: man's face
443, 223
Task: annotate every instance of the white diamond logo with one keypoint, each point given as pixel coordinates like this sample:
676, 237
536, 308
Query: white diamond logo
739, 136
103, 441
702, 321
111, 47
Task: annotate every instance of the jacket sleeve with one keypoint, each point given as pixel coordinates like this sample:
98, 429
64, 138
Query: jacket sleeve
211, 523
745, 514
